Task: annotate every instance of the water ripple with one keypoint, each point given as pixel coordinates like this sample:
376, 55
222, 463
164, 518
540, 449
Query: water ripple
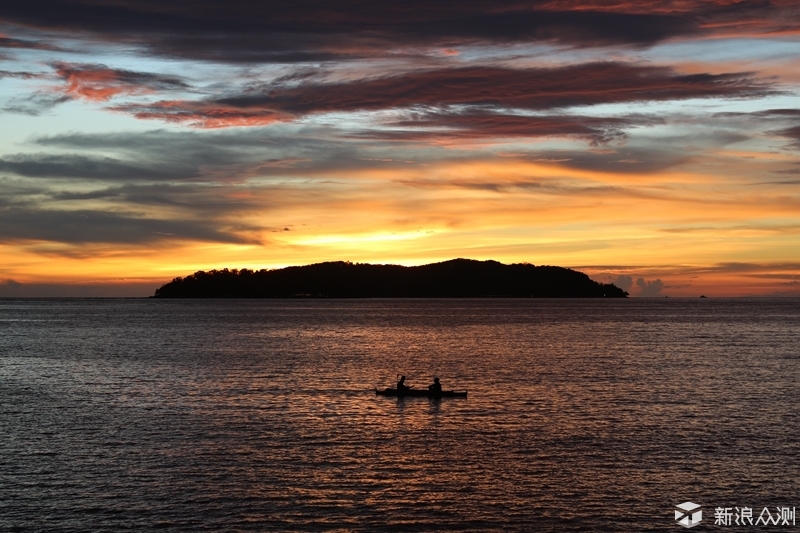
254, 416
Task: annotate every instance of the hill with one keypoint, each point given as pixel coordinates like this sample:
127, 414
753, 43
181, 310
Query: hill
458, 278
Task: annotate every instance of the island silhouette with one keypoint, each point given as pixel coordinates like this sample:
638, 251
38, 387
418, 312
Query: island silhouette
457, 278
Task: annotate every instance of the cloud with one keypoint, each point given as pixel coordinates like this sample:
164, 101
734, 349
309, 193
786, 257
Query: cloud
100, 83
19, 75
159, 156
652, 157
624, 282
316, 30
755, 269
532, 89
18, 192
792, 133
244, 31
91, 82
649, 288
550, 187
772, 118
290, 153
8, 42
208, 115
792, 113
480, 87
761, 227
718, 17
222, 156
210, 202
92, 226
783, 270
484, 124
89, 167
35, 104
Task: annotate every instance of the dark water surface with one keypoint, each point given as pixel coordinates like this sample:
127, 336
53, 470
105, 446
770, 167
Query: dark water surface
583, 415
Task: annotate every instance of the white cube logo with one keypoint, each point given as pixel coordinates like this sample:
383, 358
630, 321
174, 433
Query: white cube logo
689, 515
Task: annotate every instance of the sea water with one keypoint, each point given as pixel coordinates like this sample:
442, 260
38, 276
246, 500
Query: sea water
235, 415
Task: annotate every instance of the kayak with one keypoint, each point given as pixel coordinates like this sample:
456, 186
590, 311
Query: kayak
422, 393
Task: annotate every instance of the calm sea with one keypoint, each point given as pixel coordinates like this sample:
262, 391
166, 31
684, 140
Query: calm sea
582, 415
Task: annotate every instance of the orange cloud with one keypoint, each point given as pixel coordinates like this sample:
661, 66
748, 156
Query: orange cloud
100, 83
206, 115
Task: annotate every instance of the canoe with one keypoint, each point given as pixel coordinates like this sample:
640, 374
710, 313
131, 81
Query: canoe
421, 393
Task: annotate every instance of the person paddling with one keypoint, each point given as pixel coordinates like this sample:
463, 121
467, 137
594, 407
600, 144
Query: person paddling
435, 388
401, 385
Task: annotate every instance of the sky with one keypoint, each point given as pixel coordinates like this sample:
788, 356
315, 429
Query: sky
652, 144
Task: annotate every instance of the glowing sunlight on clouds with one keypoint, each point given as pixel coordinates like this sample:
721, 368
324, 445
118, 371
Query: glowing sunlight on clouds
652, 145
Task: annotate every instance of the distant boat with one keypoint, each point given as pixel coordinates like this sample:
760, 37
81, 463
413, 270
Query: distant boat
703, 296
421, 393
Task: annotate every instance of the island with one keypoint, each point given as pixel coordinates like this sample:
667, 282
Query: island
457, 278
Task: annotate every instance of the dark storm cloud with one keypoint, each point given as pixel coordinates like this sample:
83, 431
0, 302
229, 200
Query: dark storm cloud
480, 86
242, 30
91, 226
246, 31
318, 30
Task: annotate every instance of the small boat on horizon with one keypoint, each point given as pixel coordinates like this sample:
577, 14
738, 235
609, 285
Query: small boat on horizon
420, 393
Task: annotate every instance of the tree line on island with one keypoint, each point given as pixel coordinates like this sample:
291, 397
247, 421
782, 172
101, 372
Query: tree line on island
458, 278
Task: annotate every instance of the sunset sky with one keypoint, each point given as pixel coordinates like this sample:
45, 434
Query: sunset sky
655, 144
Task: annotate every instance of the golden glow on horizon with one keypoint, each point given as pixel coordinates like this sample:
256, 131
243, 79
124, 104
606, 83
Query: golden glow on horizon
673, 156
357, 240
529, 212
